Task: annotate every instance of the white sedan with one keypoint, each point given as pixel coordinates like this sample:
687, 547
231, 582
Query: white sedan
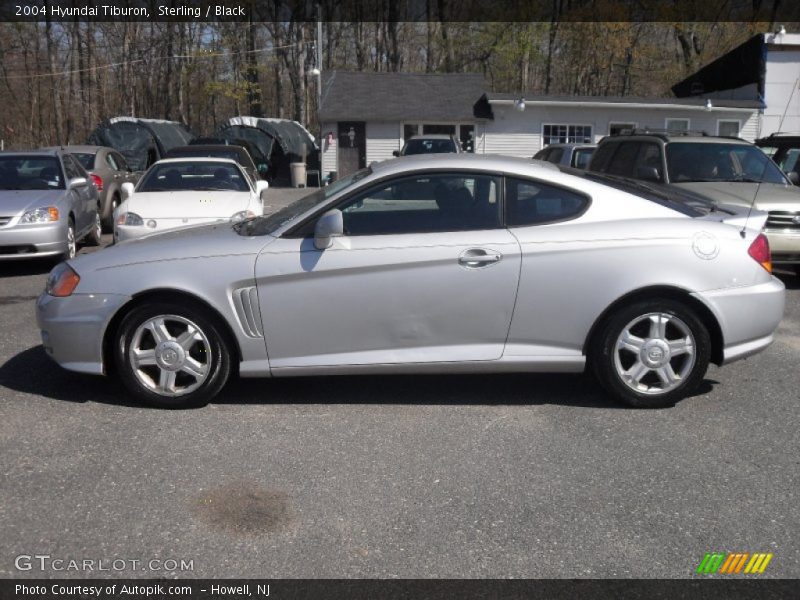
181, 192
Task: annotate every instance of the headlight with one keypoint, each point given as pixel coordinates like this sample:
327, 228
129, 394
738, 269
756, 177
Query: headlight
46, 214
130, 218
242, 215
62, 281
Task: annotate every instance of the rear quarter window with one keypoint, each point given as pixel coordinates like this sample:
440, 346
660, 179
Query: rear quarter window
530, 202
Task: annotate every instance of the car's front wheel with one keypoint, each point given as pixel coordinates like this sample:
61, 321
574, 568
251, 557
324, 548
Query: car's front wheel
652, 353
171, 356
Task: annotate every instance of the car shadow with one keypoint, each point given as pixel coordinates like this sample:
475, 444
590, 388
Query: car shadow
789, 279
22, 268
32, 372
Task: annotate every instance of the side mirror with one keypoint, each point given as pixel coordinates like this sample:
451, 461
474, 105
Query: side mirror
395, 152
329, 226
77, 182
127, 190
648, 174
261, 187
794, 177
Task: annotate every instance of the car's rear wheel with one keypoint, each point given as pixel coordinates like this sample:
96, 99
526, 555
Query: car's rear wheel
108, 222
652, 353
95, 237
171, 356
72, 244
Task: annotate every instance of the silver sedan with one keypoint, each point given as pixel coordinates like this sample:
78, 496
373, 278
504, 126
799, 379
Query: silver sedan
428, 264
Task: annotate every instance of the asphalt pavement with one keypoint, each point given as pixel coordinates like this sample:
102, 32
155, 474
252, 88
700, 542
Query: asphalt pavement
413, 476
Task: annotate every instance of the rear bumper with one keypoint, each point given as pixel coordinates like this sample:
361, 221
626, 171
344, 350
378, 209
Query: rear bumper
32, 241
748, 316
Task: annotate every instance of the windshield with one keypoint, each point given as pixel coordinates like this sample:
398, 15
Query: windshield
708, 161
270, 223
193, 176
86, 160
30, 173
423, 146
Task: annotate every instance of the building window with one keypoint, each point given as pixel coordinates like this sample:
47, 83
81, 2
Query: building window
566, 134
729, 128
677, 125
619, 128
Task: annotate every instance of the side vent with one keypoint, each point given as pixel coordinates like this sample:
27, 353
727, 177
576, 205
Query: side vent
245, 301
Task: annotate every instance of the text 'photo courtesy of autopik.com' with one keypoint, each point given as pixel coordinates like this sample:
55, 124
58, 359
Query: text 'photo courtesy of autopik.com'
399, 299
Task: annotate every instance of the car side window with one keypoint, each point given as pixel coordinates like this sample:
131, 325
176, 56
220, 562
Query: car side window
533, 202
555, 155
622, 162
649, 158
120, 160
602, 156
111, 161
424, 204
70, 168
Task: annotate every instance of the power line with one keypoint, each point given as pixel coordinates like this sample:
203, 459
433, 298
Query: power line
202, 55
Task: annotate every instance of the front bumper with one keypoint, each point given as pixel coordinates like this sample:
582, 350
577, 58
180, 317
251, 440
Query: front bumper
32, 241
748, 316
131, 232
72, 328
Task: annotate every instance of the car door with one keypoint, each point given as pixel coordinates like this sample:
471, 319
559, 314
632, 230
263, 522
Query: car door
84, 202
424, 273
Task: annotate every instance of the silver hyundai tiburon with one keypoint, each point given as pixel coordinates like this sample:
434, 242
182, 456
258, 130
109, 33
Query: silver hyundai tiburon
428, 264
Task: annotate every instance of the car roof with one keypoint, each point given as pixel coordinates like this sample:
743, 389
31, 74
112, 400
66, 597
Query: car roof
432, 136
38, 152
464, 160
669, 138
570, 145
79, 148
184, 159
200, 147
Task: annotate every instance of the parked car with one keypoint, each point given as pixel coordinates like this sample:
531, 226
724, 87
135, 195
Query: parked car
563, 274
261, 162
570, 155
784, 149
429, 144
47, 205
727, 170
181, 192
108, 170
237, 153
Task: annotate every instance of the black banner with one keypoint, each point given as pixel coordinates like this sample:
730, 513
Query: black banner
766, 11
357, 589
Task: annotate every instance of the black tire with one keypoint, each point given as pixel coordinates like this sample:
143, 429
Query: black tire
95, 236
141, 382
654, 358
72, 243
797, 270
108, 222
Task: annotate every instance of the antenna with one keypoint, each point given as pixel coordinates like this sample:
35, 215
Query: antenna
767, 158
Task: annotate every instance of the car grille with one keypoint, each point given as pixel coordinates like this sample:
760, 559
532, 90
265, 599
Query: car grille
783, 220
5, 220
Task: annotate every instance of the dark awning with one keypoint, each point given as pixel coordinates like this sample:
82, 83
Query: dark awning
135, 138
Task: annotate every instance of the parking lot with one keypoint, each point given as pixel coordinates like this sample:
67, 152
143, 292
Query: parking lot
394, 476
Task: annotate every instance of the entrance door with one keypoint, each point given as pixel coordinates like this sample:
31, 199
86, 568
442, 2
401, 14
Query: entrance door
352, 149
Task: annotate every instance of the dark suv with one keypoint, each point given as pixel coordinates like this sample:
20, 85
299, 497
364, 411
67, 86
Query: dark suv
724, 170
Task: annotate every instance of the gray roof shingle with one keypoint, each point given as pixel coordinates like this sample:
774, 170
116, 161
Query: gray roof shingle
369, 96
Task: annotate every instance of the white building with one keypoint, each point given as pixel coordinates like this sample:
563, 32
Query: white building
765, 69
367, 116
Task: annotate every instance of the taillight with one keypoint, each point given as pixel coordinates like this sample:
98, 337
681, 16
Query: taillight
759, 250
98, 181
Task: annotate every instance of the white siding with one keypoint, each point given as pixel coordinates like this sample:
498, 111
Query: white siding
781, 93
328, 149
516, 133
382, 139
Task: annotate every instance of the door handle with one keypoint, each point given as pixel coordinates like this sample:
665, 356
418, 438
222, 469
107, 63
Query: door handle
475, 258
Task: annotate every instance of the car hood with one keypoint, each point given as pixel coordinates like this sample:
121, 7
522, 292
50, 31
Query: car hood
14, 202
771, 196
176, 205
177, 244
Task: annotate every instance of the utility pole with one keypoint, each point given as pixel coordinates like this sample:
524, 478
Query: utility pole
319, 85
